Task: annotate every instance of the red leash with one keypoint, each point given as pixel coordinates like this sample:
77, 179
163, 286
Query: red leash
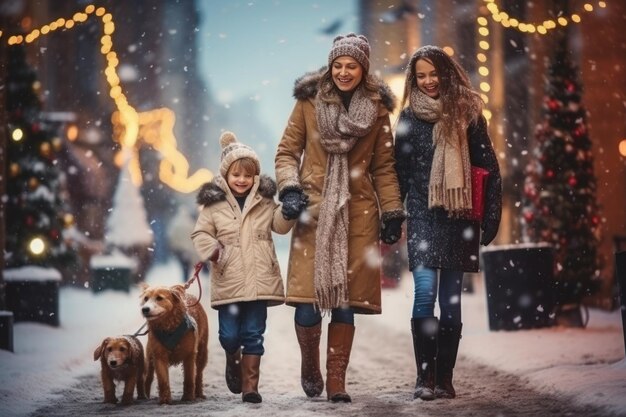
196, 278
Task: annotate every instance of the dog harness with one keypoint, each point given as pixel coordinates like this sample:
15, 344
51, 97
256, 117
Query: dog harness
171, 339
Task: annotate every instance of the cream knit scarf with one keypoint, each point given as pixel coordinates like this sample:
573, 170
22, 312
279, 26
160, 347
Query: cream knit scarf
339, 130
450, 184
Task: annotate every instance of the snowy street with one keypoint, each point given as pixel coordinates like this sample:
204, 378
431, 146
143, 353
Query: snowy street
557, 371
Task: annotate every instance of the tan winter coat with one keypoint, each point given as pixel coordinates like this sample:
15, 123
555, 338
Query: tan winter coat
374, 191
247, 268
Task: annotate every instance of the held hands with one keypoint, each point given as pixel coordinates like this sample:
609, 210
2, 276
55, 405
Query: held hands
294, 202
391, 230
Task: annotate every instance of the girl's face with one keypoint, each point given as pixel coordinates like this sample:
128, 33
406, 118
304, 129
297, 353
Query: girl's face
427, 78
239, 180
347, 73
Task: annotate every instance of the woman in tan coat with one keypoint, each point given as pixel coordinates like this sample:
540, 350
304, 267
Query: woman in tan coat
336, 160
234, 231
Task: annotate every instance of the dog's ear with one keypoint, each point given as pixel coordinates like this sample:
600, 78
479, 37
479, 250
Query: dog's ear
132, 351
98, 352
179, 292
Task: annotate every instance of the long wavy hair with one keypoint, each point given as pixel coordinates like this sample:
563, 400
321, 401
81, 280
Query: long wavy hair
459, 101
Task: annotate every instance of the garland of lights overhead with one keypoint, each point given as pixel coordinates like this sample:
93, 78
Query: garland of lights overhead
155, 127
508, 22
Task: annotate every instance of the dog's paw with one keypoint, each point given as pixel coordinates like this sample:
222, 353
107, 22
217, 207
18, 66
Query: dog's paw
188, 398
165, 401
127, 401
110, 400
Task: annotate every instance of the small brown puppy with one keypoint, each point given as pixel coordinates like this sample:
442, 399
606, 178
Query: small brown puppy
177, 334
121, 359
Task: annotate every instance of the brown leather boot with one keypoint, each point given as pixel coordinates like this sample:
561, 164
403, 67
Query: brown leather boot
250, 378
340, 336
233, 371
310, 374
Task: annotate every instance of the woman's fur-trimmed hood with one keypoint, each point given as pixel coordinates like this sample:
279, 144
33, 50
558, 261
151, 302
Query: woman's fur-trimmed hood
306, 88
211, 192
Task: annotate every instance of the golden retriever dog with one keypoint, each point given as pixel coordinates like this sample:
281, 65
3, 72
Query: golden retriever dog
121, 359
178, 332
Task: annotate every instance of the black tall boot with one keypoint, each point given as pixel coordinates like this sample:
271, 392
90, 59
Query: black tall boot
424, 332
449, 337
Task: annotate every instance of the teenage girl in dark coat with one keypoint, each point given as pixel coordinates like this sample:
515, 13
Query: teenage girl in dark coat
440, 134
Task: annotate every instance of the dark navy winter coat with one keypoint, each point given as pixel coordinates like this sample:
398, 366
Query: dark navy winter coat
435, 240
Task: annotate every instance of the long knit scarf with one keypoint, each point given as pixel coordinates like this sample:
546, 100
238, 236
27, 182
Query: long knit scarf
339, 131
450, 183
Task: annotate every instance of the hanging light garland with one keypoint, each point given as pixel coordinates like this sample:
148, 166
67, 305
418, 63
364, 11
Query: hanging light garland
502, 18
155, 127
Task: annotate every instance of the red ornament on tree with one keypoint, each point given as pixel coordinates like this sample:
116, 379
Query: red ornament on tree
529, 216
550, 173
553, 104
572, 181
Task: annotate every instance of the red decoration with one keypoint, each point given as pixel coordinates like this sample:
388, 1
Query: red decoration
553, 104
529, 216
550, 173
29, 220
570, 86
54, 234
595, 220
572, 181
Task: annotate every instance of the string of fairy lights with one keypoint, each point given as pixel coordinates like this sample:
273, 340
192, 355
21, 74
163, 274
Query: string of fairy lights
156, 126
131, 128
502, 18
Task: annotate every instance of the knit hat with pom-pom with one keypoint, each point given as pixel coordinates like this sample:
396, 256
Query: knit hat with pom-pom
233, 150
352, 45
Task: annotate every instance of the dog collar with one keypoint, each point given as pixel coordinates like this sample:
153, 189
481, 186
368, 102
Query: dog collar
171, 339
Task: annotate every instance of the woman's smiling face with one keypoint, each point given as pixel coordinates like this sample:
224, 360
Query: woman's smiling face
347, 73
426, 78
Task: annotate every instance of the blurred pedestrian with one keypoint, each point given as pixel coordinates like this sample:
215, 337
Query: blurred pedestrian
234, 232
440, 135
179, 239
335, 160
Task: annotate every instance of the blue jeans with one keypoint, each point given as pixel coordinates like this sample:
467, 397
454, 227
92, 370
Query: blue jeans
450, 287
307, 315
242, 326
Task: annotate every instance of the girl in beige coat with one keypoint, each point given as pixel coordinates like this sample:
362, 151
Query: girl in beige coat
234, 232
336, 160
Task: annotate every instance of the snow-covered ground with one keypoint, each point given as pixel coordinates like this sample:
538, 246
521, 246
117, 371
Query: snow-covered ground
584, 366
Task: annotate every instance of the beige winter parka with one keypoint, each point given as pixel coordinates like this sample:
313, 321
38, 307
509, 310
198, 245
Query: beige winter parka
247, 268
374, 195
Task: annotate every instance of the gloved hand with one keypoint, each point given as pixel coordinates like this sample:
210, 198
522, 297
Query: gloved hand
294, 202
216, 254
391, 230
489, 233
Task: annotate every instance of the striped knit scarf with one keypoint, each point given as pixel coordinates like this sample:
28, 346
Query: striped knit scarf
450, 184
339, 131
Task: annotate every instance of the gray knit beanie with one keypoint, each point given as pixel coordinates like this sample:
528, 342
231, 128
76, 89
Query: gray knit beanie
355, 46
233, 150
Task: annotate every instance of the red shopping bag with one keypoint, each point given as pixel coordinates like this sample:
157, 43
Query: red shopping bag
479, 182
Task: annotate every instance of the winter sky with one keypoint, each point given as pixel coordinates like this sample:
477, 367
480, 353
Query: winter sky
256, 49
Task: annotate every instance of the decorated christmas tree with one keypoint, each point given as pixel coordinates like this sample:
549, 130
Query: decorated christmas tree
560, 205
35, 213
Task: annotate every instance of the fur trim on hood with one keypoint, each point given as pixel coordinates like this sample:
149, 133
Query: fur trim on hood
211, 192
306, 88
